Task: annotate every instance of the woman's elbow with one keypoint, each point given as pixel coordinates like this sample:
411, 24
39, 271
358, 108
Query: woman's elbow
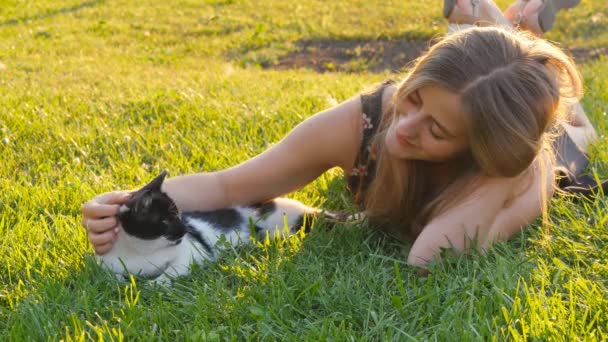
422, 254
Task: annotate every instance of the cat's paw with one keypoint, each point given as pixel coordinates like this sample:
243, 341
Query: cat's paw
121, 277
162, 280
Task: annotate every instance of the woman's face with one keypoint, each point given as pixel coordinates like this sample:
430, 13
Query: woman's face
428, 125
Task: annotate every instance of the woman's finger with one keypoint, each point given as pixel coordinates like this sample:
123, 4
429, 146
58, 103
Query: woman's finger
99, 239
105, 204
95, 210
99, 225
113, 197
102, 249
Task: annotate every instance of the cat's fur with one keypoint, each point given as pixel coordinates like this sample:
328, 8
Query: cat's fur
159, 242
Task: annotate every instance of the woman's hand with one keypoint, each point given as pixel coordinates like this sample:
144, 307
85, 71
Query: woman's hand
99, 218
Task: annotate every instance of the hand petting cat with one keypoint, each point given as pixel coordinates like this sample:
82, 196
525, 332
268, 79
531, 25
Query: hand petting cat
100, 220
160, 242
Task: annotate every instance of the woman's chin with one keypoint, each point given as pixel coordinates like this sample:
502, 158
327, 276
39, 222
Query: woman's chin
396, 151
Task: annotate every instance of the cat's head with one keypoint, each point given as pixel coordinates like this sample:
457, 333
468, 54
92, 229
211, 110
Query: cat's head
150, 214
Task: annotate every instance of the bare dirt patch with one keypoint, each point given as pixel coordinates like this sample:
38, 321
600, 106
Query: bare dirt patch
582, 55
349, 55
375, 55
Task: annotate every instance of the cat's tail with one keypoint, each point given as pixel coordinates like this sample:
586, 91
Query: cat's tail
275, 213
342, 217
307, 220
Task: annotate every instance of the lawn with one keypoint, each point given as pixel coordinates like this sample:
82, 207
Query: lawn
101, 95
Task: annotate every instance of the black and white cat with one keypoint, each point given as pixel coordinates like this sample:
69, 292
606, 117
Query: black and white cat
159, 242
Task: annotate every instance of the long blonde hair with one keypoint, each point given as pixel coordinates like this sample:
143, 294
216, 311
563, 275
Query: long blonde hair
513, 89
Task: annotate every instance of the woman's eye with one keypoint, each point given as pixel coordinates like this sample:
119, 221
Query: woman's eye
435, 135
413, 99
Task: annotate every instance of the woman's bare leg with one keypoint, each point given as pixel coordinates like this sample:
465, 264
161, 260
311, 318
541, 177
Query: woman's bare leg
572, 147
537, 16
525, 14
579, 128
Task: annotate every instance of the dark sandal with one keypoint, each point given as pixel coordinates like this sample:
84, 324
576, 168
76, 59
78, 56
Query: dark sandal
547, 13
448, 10
584, 187
448, 7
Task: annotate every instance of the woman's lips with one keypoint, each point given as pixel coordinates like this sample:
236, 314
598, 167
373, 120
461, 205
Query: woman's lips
403, 141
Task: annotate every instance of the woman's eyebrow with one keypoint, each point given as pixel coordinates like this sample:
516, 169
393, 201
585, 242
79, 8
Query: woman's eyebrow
441, 127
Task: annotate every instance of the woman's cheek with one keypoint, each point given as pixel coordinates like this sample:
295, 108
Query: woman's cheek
436, 151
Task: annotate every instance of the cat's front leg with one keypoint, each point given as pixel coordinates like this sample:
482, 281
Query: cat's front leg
166, 278
120, 276
162, 280
176, 270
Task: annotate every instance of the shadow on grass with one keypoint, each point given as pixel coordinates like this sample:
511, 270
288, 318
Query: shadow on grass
52, 13
584, 55
353, 55
376, 55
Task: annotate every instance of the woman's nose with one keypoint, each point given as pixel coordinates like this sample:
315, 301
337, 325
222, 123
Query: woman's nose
407, 125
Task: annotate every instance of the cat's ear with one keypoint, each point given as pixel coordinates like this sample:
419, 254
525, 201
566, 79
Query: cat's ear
155, 184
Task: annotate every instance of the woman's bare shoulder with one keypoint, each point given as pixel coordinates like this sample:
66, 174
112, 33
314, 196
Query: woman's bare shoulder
341, 128
525, 202
539, 175
387, 97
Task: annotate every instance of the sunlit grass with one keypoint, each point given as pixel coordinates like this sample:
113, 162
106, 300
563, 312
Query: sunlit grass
102, 95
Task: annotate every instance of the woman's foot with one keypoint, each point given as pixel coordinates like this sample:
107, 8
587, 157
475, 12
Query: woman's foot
524, 14
474, 12
460, 11
536, 16
579, 127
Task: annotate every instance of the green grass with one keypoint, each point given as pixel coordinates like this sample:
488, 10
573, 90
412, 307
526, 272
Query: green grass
102, 95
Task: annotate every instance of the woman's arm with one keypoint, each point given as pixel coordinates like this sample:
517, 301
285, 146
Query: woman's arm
468, 221
525, 208
327, 139
487, 215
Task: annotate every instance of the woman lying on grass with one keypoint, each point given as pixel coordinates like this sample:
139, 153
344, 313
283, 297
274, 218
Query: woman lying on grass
458, 150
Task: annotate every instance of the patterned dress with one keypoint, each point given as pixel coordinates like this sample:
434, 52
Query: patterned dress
363, 171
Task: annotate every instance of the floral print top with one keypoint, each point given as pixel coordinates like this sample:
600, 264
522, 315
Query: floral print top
364, 169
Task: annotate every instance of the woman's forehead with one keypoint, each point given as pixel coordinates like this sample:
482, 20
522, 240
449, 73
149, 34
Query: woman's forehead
445, 107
